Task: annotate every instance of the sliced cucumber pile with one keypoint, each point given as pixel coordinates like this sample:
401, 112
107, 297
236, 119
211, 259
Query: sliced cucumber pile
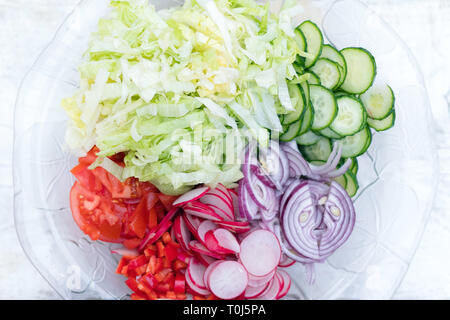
339, 99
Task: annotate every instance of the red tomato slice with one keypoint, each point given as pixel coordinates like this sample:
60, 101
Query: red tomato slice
92, 214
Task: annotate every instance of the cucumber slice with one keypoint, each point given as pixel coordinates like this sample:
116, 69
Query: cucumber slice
300, 39
307, 120
314, 41
321, 150
351, 116
342, 180
354, 167
324, 105
308, 117
328, 133
352, 184
298, 101
291, 131
379, 101
313, 78
382, 125
328, 72
307, 139
361, 70
330, 52
355, 145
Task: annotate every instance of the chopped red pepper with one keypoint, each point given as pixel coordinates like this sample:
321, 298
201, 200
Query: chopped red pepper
171, 253
180, 283
161, 249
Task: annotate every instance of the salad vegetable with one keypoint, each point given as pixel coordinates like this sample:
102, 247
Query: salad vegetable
167, 88
177, 120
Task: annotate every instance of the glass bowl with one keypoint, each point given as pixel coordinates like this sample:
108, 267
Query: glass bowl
398, 175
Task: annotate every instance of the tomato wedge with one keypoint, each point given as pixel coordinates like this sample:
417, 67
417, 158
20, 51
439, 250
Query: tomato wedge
91, 214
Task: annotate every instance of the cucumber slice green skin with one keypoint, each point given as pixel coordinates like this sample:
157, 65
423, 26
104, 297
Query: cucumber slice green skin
355, 166
300, 39
314, 41
307, 139
377, 112
349, 106
356, 145
324, 105
292, 131
383, 125
329, 133
297, 92
308, 116
330, 52
328, 72
313, 78
342, 180
321, 150
307, 120
352, 184
361, 70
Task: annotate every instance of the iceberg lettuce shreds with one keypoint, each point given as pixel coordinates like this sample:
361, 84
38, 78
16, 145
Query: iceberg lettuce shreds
180, 90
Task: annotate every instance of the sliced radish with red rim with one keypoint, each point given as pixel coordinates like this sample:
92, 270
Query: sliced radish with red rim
195, 271
201, 249
208, 271
181, 232
204, 227
260, 252
190, 196
235, 226
201, 210
227, 280
196, 289
286, 283
255, 292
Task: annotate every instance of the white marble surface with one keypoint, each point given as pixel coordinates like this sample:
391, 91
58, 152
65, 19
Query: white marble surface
28, 25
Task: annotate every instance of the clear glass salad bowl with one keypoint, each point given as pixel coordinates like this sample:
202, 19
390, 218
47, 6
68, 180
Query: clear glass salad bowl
398, 175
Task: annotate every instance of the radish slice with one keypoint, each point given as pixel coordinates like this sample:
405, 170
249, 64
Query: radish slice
286, 262
213, 244
192, 223
208, 271
201, 210
259, 281
190, 196
227, 280
260, 252
182, 234
226, 214
273, 290
195, 271
219, 204
235, 226
255, 292
287, 283
221, 188
200, 248
281, 287
227, 241
197, 290
206, 260
203, 228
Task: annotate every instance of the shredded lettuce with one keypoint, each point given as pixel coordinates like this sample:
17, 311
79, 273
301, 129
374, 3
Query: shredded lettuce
169, 88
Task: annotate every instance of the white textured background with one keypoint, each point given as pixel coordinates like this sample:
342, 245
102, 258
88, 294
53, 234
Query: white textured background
26, 27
